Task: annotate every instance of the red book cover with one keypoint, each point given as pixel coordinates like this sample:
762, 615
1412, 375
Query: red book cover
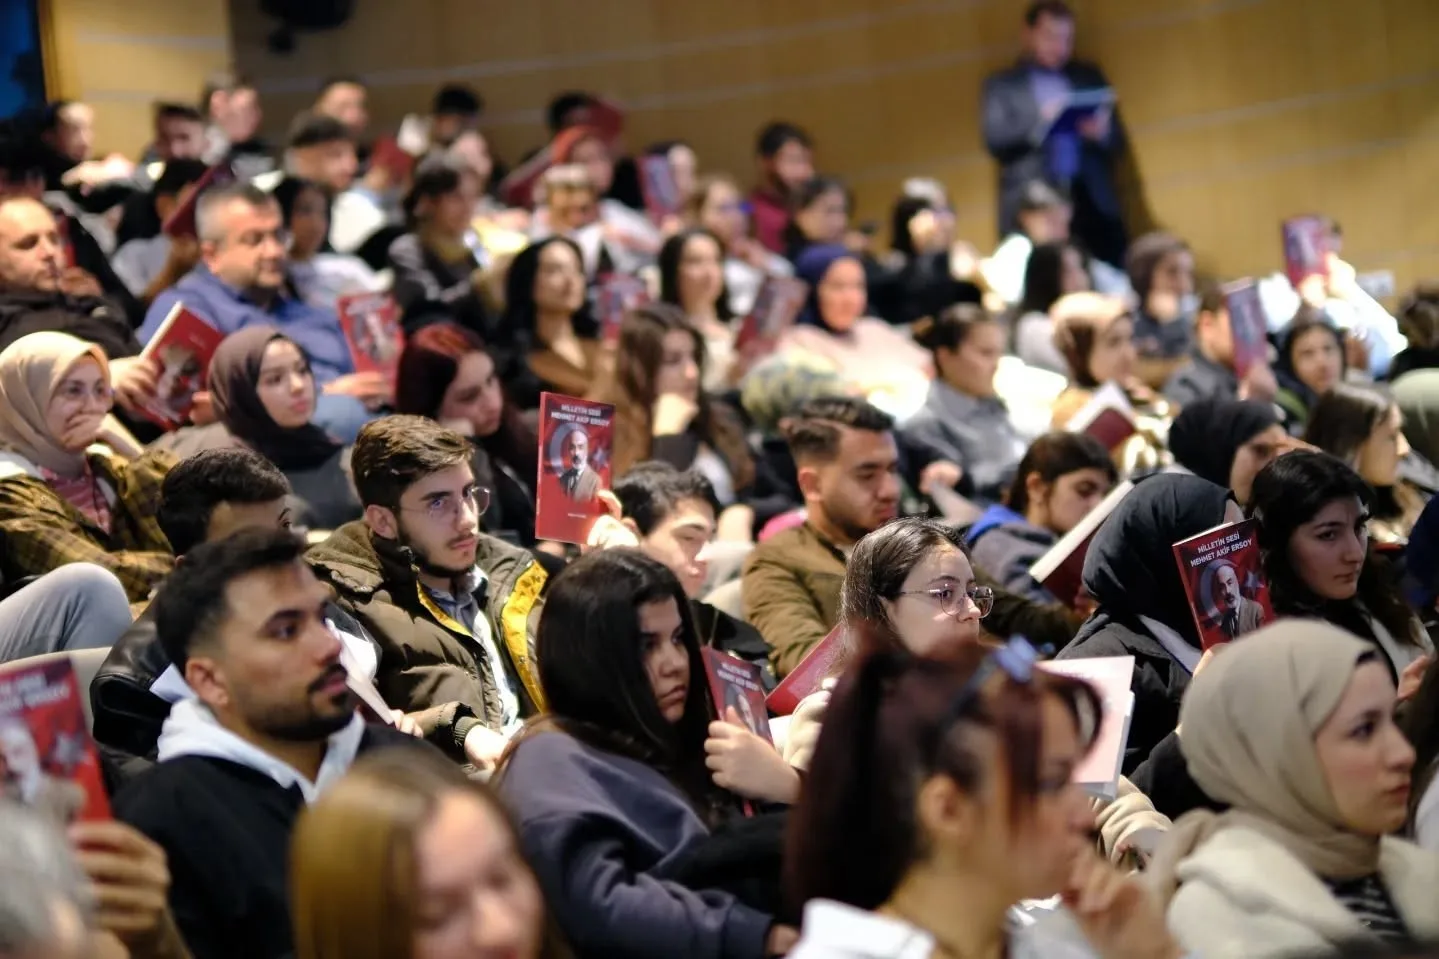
181, 222
776, 305
1227, 592
575, 454
1247, 325
371, 323
1306, 242
734, 682
807, 677
1108, 417
393, 159
1061, 569
618, 293
181, 348
47, 759
661, 192
67, 245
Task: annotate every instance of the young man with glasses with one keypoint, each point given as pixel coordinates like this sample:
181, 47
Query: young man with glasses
451, 607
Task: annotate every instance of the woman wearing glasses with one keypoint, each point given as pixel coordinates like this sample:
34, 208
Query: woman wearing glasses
939, 799
263, 392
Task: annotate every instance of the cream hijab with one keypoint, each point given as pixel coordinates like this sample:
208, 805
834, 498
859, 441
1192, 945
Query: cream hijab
31, 369
1249, 719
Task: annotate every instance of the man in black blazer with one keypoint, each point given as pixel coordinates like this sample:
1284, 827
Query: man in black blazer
1019, 103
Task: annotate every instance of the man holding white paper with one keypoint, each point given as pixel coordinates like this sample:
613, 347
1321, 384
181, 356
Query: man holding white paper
1051, 118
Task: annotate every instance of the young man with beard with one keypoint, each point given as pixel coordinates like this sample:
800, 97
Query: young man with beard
451, 607
273, 723
847, 463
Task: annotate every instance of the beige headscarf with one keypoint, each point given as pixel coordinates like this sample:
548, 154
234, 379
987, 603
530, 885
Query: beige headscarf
1249, 719
31, 369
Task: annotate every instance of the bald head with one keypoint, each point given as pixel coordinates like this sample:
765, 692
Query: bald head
31, 253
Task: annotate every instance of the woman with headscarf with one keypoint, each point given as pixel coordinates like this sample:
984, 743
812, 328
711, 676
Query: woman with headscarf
888, 367
1141, 607
1293, 729
264, 397
63, 499
1227, 442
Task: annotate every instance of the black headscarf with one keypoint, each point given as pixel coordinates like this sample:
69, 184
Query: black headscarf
1130, 568
1206, 435
234, 375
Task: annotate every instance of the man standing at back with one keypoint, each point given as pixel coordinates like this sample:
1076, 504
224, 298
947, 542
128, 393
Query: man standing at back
848, 468
1019, 105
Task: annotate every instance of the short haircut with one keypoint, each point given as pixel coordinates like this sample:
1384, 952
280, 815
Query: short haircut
1211, 297
1037, 195
1144, 256
774, 135
177, 175
650, 491
222, 81
177, 111
197, 485
814, 433
393, 453
455, 99
339, 79
192, 601
1047, 8
207, 208
566, 103
314, 129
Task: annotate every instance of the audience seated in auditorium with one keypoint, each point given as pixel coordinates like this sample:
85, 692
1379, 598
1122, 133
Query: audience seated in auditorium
784, 162
320, 277
345, 98
322, 150
451, 607
1227, 442
240, 281
718, 206
147, 265
1210, 372
1061, 477
691, 271
1141, 609
263, 395
819, 216
848, 463
962, 418
936, 777
1161, 270
63, 499
448, 374
622, 787
1055, 269
272, 724
1311, 362
78, 606
468, 890
1294, 730
1095, 335
231, 105
629, 237
551, 325
930, 268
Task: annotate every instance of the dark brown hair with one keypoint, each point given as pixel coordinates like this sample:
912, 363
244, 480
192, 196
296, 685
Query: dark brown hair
878, 566
393, 453
1054, 455
814, 432
1144, 256
951, 327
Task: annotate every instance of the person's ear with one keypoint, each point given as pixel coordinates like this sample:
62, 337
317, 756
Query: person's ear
947, 814
382, 522
1035, 488
809, 483
204, 676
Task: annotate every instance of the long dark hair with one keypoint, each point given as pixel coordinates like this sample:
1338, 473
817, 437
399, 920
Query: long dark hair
1054, 455
804, 197
877, 568
886, 731
428, 366
670, 256
1345, 418
1044, 276
591, 667
906, 208
520, 313
1290, 492
1305, 320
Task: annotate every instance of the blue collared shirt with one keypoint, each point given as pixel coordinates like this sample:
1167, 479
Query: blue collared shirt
316, 331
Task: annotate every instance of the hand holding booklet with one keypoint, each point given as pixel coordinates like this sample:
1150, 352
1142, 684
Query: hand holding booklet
1077, 106
1227, 592
576, 440
1108, 417
1248, 325
181, 350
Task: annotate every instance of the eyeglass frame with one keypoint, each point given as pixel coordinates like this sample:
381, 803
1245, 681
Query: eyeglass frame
476, 495
973, 594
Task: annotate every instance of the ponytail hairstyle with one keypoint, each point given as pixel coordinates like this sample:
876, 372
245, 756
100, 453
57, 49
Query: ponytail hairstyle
951, 328
889, 727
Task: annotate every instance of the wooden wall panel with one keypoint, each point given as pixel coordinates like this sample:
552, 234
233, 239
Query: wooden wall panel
1240, 111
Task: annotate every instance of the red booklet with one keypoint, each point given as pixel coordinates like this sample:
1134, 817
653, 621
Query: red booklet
1248, 326
1108, 417
1111, 676
661, 192
807, 677
371, 323
182, 348
776, 305
618, 293
47, 759
575, 453
1227, 592
181, 221
1061, 569
734, 682
1306, 243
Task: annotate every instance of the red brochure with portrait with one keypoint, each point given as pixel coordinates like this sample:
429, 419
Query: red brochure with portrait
737, 683
1306, 245
576, 440
1248, 326
809, 675
1227, 591
776, 306
181, 350
47, 758
371, 324
657, 184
